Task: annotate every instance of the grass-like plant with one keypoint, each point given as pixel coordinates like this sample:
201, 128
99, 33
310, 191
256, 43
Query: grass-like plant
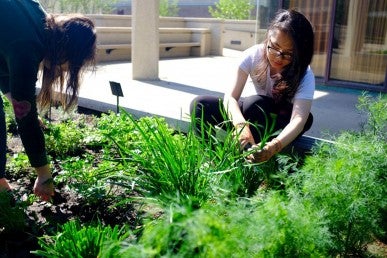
170, 165
76, 240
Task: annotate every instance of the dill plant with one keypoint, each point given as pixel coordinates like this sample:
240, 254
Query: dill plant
347, 180
266, 226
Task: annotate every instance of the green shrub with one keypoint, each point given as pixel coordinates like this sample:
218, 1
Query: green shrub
12, 216
18, 165
272, 227
347, 181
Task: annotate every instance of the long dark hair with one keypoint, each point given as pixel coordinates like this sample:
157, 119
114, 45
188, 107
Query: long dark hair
73, 40
300, 30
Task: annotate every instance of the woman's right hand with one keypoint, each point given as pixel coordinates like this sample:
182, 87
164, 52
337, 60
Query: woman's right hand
242, 131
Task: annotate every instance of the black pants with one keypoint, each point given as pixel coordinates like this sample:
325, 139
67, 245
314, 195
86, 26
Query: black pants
256, 110
3, 140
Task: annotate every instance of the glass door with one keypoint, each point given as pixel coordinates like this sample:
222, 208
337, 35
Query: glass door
359, 52
320, 15
350, 40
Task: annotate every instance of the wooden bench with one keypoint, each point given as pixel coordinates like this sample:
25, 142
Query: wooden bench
114, 43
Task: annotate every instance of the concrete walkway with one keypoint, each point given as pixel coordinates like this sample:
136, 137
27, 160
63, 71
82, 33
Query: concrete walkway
182, 79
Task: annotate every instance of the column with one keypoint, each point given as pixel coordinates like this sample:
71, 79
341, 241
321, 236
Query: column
145, 39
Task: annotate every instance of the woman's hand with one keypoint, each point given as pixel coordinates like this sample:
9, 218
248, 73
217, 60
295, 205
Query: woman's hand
269, 150
44, 184
245, 137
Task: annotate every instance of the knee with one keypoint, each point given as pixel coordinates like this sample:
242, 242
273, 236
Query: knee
203, 102
308, 123
195, 103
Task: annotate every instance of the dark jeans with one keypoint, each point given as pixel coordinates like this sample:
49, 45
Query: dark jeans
256, 109
3, 140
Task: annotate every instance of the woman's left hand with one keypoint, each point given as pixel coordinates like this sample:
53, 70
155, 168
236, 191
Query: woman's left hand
269, 150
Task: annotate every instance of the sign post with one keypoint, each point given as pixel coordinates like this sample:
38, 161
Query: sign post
116, 91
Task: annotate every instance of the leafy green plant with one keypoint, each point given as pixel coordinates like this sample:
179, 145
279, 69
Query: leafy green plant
231, 9
12, 216
169, 8
75, 240
93, 181
70, 137
19, 164
63, 139
117, 130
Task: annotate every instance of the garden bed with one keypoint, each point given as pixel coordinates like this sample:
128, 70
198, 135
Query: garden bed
127, 187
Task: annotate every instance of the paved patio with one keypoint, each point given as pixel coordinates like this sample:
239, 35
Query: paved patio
182, 79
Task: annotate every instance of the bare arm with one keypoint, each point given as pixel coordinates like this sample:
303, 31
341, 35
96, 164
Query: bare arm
234, 112
232, 96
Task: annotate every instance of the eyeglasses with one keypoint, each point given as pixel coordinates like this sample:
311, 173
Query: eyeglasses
277, 53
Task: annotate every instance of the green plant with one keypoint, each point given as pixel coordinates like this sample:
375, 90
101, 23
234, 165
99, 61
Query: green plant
70, 134
12, 216
19, 164
117, 130
93, 181
63, 139
377, 117
9, 116
169, 164
350, 187
76, 240
169, 8
266, 226
231, 9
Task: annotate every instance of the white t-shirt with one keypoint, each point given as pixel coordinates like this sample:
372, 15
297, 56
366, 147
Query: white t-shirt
251, 58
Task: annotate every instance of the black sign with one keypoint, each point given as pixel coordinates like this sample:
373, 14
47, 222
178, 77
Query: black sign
116, 89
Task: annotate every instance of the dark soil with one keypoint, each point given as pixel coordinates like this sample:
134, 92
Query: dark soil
43, 218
